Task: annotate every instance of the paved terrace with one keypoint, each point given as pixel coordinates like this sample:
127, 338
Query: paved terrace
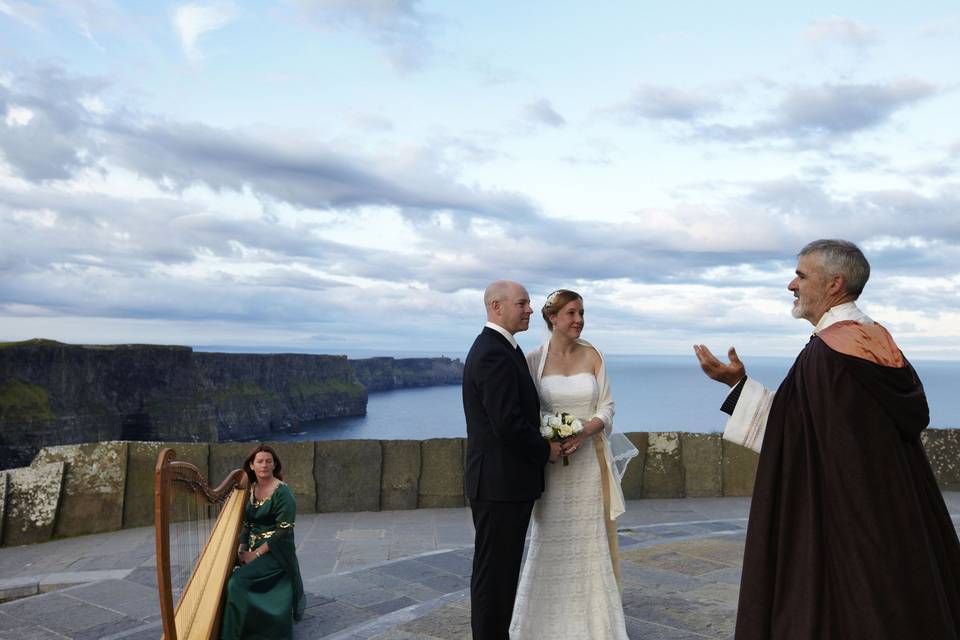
390, 574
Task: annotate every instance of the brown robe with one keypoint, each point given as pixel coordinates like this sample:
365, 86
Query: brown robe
849, 537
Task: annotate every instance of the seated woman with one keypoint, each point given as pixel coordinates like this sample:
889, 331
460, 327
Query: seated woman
265, 592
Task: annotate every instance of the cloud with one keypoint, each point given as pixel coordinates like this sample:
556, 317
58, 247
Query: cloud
812, 115
397, 27
542, 112
25, 12
822, 115
184, 154
656, 102
193, 21
64, 137
268, 234
842, 31
174, 258
46, 132
846, 108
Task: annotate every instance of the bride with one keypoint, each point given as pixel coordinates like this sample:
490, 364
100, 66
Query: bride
569, 586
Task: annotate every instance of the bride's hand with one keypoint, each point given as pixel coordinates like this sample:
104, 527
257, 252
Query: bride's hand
572, 444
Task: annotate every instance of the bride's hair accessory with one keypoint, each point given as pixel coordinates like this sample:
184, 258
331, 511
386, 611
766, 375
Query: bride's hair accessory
556, 301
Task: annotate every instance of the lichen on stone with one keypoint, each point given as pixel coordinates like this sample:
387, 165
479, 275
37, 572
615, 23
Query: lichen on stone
663, 442
91, 468
35, 496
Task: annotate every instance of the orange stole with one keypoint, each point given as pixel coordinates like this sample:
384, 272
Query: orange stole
866, 341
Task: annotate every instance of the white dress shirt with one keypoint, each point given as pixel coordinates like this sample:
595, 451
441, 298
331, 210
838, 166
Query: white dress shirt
506, 334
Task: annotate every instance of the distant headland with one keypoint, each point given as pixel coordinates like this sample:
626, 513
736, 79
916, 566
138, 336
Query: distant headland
55, 393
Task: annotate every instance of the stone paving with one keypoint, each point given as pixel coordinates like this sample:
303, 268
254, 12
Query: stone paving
390, 575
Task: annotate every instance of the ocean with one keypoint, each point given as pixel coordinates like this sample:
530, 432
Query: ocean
652, 393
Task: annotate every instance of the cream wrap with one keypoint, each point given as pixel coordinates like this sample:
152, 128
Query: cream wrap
604, 410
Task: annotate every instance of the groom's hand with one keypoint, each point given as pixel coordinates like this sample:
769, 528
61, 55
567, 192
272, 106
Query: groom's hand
729, 374
555, 451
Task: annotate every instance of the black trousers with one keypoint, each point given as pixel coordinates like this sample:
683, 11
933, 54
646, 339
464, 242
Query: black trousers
497, 553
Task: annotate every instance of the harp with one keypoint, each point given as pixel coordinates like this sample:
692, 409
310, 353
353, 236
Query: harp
204, 524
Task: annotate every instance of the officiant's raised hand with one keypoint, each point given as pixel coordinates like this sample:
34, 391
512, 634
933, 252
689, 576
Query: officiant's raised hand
729, 374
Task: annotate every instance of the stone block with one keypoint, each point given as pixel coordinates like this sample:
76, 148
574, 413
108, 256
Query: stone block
348, 475
401, 474
298, 469
702, 455
296, 459
463, 460
663, 469
632, 483
32, 503
441, 476
4, 484
739, 469
943, 451
141, 467
93, 486
227, 456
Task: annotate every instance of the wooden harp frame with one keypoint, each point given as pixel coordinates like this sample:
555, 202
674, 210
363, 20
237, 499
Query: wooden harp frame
172, 476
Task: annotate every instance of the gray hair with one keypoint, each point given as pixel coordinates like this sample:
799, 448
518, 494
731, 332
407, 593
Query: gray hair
840, 257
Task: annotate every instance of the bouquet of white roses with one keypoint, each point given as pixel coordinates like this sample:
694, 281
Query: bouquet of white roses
558, 427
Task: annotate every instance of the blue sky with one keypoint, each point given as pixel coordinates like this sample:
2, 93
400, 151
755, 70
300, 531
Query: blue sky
346, 176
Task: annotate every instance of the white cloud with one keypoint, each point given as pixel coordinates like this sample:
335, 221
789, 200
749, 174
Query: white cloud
398, 27
841, 30
542, 112
193, 21
660, 102
18, 116
25, 12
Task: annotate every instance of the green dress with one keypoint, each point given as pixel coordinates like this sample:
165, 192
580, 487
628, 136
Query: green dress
266, 595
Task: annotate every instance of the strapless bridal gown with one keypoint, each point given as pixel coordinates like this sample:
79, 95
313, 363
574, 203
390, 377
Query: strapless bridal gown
567, 588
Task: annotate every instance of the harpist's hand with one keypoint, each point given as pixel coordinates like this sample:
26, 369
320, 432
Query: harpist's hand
729, 374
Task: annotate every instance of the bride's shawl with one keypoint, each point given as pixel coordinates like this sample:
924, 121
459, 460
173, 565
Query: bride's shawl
616, 447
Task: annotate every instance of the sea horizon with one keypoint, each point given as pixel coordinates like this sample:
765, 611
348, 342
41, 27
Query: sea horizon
651, 393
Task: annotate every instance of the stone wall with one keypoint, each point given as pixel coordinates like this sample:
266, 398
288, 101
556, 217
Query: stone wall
72, 490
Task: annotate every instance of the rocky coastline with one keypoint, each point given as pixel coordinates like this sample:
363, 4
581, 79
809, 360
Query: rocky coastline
52, 393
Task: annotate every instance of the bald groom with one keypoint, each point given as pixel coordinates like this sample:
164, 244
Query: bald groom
505, 456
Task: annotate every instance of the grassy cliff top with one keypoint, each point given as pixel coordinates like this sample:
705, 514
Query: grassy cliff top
44, 342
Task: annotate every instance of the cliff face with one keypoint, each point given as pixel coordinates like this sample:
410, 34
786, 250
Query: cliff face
384, 374
54, 393
278, 390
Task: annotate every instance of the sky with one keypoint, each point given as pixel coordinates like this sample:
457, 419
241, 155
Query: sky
346, 176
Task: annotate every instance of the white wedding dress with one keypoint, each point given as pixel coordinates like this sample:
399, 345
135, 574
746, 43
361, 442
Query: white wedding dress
567, 588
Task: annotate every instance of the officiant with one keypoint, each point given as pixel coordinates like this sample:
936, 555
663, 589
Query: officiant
849, 536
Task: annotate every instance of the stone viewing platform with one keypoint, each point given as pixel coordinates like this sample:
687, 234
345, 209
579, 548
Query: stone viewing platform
390, 575
383, 536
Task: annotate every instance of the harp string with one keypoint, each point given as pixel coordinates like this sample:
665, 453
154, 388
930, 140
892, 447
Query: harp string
191, 523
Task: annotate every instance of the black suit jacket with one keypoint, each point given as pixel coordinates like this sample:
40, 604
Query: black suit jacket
505, 451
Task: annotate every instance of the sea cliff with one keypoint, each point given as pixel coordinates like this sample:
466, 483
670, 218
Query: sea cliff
385, 374
53, 393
